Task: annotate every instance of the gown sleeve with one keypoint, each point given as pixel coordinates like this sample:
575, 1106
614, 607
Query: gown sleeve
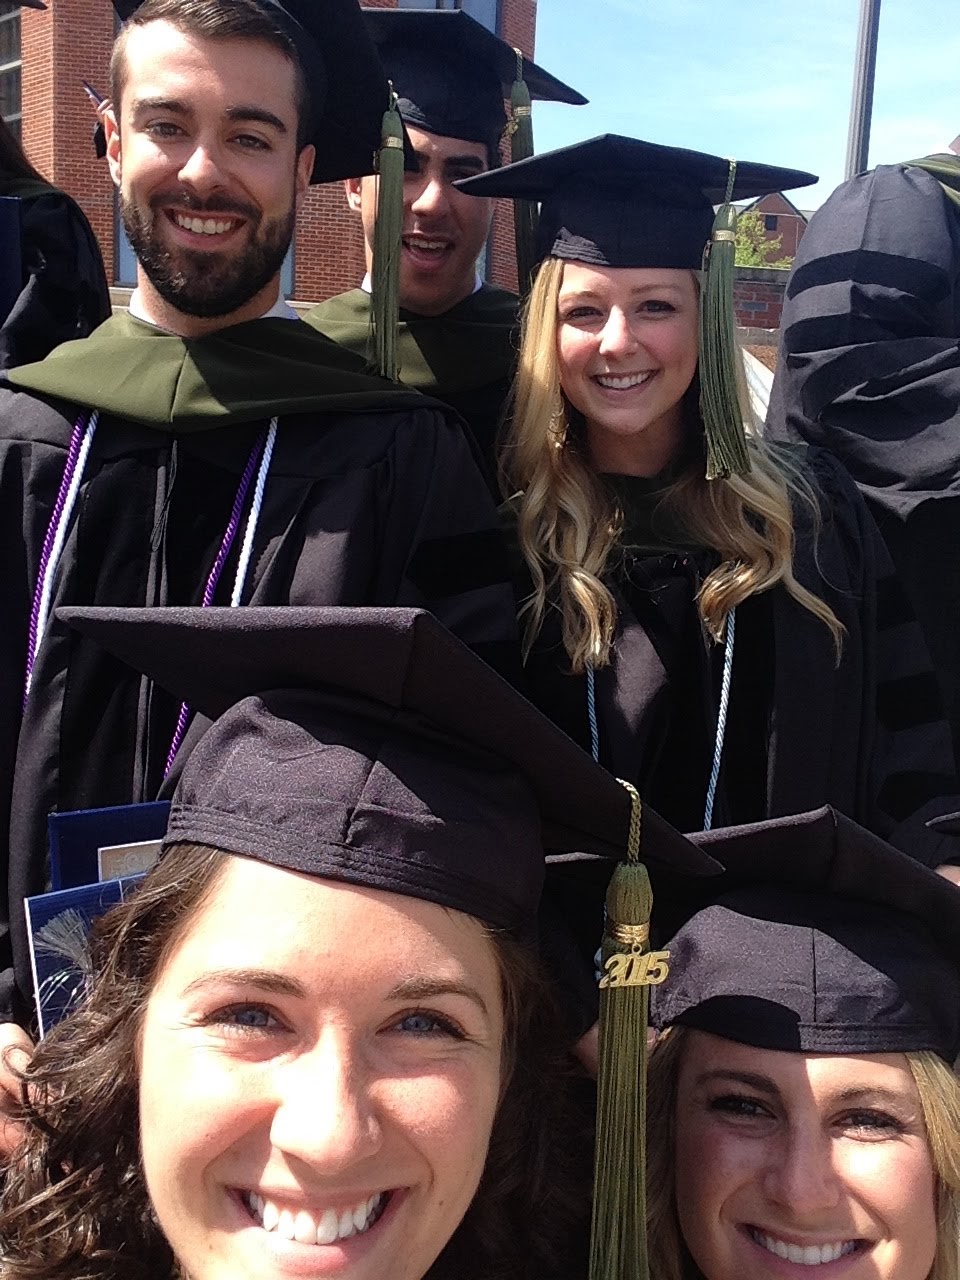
65, 295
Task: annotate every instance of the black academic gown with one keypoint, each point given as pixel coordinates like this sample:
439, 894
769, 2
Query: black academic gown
374, 497
65, 294
465, 357
866, 736
869, 369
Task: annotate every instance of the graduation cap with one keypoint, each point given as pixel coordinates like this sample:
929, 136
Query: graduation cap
370, 745
452, 75
621, 202
32, 4
820, 938
343, 74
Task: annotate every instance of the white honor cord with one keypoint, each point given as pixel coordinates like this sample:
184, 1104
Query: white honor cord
253, 517
721, 719
63, 524
722, 714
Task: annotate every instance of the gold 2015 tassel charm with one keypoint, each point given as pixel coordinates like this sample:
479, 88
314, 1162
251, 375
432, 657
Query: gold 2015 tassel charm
618, 1243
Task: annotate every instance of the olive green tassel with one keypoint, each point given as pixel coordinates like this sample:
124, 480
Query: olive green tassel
385, 276
618, 1238
720, 405
525, 215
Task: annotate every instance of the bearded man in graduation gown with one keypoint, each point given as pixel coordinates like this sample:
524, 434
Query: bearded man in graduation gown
869, 368
210, 448
458, 334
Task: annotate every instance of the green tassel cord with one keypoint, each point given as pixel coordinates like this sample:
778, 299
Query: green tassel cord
618, 1238
719, 384
385, 276
525, 215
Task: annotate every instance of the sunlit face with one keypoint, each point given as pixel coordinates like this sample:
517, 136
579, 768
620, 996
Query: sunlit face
800, 1166
207, 165
444, 230
320, 1068
627, 344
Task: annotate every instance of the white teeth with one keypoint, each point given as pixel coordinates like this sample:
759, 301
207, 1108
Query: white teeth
329, 1227
432, 246
203, 226
624, 383
308, 1227
811, 1255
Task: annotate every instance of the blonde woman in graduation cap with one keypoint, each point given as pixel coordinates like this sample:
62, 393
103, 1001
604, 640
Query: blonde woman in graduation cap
716, 619
804, 1112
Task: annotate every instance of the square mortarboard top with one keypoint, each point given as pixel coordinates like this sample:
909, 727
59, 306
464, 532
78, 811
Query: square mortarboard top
819, 938
369, 745
343, 73
32, 4
451, 74
622, 202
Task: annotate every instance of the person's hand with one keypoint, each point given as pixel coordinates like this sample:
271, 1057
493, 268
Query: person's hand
587, 1050
949, 872
16, 1048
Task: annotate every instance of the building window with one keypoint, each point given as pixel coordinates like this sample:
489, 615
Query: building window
484, 11
10, 64
769, 222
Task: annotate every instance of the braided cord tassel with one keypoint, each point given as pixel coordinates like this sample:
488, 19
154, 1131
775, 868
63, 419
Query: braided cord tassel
385, 276
618, 1238
525, 215
719, 385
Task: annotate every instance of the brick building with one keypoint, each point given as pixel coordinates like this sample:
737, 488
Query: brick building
781, 218
44, 56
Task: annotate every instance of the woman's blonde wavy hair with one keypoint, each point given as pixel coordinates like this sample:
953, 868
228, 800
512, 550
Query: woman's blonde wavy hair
939, 1090
568, 523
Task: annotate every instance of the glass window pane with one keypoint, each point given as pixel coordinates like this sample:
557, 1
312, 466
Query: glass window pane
10, 92
10, 39
485, 11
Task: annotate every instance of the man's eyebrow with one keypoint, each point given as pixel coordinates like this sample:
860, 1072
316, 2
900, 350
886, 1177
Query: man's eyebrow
173, 105
430, 988
258, 114
477, 163
238, 114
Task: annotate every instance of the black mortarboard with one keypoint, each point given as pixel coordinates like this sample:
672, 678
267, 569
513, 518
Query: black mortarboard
370, 745
452, 75
343, 73
622, 202
821, 939
32, 4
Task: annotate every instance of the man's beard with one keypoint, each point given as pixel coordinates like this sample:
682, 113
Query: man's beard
210, 284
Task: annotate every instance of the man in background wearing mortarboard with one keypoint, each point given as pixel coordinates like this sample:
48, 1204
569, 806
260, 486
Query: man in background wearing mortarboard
458, 334
209, 448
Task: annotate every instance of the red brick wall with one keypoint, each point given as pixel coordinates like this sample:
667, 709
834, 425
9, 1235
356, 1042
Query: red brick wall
71, 42
758, 296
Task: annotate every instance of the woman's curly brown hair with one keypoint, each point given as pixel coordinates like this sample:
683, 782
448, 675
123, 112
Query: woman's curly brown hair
75, 1207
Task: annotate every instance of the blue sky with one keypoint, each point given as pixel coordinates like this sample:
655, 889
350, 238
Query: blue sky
765, 80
